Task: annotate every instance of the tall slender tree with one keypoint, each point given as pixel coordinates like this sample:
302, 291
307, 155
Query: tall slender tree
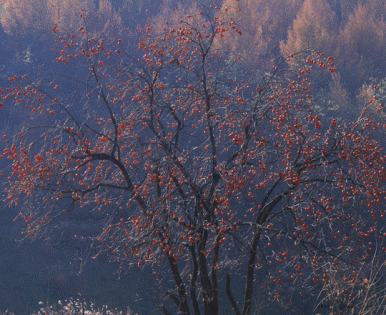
363, 30
263, 25
315, 27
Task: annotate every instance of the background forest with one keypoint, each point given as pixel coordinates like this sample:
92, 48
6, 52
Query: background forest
353, 32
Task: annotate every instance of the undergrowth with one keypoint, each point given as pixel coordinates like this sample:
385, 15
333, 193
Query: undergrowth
74, 307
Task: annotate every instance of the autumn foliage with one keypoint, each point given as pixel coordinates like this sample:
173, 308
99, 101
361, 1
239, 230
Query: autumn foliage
197, 172
26, 18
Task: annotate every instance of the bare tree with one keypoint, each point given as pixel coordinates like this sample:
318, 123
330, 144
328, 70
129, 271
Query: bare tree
192, 169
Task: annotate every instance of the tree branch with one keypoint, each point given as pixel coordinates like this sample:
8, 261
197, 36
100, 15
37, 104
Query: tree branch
230, 295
